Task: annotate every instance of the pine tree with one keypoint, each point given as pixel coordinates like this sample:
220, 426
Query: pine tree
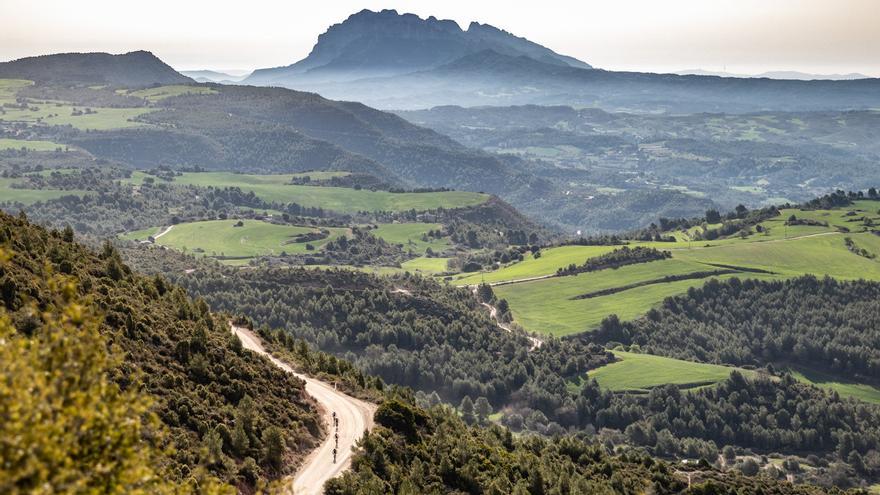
467, 410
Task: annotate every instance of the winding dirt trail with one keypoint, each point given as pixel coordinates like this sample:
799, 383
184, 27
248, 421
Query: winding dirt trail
355, 417
493, 312
160, 234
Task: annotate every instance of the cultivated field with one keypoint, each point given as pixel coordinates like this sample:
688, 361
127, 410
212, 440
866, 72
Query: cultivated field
550, 305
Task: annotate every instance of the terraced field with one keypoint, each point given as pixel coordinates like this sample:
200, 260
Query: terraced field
641, 372
275, 188
221, 238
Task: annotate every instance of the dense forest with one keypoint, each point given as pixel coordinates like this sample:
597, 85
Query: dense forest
409, 331
434, 452
808, 321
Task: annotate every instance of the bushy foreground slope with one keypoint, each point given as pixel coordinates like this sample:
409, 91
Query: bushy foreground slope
223, 407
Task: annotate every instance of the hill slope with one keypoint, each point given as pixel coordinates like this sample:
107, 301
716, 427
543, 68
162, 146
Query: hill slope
140, 68
206, 390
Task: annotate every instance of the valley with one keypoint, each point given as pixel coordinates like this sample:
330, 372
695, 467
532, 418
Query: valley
428, 259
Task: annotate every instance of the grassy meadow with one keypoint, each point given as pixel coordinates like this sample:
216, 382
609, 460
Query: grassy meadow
30, 145
635, 372
30, 196
410, 236
162, 92
843, 387
220, 238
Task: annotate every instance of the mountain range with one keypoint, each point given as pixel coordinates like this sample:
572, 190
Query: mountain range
213, 76
401, 61
777, 74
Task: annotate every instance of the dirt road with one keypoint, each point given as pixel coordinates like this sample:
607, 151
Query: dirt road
355, 417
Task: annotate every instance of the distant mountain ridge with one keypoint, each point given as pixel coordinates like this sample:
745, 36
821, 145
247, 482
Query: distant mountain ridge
209, 76
403, 62
385, 43
777, 74
133, 69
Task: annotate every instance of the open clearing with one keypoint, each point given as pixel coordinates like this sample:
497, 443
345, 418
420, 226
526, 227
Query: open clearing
409, 235
30, 196
425, 265
162, 92
65, 113
275, 188
220, 238
30, 145
641, 372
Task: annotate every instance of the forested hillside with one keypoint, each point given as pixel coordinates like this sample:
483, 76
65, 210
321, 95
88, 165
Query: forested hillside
224, 409
418, 451
806, 321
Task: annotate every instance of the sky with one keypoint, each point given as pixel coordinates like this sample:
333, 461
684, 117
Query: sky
741, 36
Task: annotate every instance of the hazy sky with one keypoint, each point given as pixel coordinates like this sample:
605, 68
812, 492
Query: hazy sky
819, 36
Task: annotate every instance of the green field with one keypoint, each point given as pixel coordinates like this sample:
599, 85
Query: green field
220, 238
838, 218
550, 260
845, 388
553, 258
547, 305
425, 265
30, 196
35, 145
162, 92
9, 87
274, 188
641, 372
61, 113
409, 235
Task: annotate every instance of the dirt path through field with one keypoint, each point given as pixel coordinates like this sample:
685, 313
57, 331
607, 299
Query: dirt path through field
160, 234
355, 417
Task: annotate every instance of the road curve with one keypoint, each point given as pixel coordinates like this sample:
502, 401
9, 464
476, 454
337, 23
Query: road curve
355, 417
